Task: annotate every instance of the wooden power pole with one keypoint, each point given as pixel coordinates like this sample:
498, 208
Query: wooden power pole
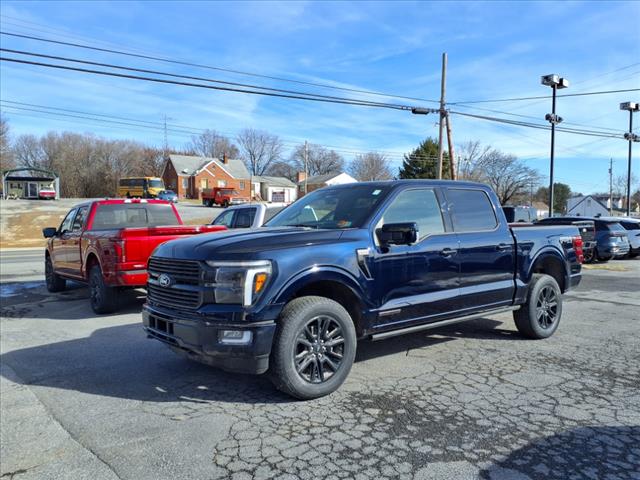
306, 160
610, 186
452, 168
443, 88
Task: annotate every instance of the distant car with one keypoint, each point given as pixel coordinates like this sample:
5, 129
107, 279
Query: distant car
47, 193
246, 216
169, 195
611, 238
519, 214
632, 226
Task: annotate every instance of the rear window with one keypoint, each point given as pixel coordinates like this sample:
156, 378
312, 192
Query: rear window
631, 225
471, 210
127, 215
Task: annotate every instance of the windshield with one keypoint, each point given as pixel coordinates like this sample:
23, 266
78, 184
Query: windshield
155, 184
332, 208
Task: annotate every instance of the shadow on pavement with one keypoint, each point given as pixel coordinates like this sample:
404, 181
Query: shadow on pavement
119, 361
585, 452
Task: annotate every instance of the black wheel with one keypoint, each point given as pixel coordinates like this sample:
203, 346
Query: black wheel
225, 204
128, 195
314, 348
601, 258
540, 315
55, 283
102, 297
589, 256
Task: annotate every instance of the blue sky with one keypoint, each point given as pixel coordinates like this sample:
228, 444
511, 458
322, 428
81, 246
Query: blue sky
496, 50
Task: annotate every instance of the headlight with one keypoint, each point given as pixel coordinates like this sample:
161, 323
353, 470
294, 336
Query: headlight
239, 282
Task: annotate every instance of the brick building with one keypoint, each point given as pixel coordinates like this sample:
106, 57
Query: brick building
189, 175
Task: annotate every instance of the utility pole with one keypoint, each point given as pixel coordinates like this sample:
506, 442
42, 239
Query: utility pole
610, 186
306, 156
631, 137
443, 89
452, 170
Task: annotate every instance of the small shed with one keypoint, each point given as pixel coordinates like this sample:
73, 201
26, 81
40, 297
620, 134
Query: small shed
30, 183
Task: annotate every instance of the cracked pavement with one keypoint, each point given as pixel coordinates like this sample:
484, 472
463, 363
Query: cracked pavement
86, 396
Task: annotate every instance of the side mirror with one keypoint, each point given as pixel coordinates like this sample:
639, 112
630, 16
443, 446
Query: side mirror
49, 232
398, 234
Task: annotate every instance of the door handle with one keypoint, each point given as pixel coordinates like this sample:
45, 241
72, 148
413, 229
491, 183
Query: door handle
503, 247
447, 252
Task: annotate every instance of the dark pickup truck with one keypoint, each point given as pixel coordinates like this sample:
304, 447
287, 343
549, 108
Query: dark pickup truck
359, 261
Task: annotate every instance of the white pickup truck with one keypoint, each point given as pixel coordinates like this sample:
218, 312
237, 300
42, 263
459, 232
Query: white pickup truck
253, 215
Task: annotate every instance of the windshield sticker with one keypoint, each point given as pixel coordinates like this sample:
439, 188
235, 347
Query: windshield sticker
344, 224
376, 192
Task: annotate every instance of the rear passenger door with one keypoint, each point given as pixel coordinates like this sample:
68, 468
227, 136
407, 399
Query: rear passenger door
74, 253
486, 250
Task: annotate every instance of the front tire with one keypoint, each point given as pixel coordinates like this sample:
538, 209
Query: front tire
314, 348
540, 316
102, 297
55, 283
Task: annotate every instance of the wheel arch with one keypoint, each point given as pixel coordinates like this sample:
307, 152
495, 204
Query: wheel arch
330, 283
551, 262
90, 260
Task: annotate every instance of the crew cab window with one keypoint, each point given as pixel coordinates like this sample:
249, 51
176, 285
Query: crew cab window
420, 206
225, 218
65, 226
244, 217
471, 210
129, 215
78, 222
270, 213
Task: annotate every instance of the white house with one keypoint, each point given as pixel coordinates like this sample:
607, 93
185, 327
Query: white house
274, 189
319, 181
586, 206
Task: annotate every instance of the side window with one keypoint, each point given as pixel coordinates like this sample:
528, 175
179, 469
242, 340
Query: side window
78, 222
65, 226
420, 206
471, 210
244, 217
225, 218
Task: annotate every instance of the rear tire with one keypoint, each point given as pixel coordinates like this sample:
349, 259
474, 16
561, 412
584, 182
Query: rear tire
314, 348
102, 297
225, 204
540, 316
590, 257
55, 283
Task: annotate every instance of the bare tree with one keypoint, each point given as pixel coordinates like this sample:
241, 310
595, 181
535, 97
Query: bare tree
211, 144
371, 166
284, 169
320, 160
506, 174
6, 153
470, 155
259, 150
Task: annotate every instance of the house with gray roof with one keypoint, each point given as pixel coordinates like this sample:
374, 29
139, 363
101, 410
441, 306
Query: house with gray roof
274, 189
318, 181
189, 175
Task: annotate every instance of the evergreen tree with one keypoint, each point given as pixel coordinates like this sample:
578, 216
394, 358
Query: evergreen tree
422, 162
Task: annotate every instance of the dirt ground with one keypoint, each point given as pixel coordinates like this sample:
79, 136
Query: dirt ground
22, 221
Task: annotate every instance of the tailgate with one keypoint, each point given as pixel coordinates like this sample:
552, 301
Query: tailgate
140, 242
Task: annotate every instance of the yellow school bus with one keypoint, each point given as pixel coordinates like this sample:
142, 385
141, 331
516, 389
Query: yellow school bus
140, 187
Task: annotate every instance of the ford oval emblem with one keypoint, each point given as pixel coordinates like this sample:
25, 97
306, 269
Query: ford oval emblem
164, 280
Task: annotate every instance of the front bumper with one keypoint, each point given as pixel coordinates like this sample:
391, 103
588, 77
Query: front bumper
198, 337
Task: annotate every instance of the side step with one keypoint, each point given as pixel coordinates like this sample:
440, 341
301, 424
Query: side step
441, 323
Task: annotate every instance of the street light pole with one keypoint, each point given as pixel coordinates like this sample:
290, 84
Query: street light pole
553, 144
555, 82
631, 137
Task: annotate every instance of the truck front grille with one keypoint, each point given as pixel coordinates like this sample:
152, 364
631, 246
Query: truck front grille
173, 283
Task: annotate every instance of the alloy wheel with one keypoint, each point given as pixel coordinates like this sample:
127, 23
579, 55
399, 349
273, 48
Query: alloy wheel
319, 349
547, 307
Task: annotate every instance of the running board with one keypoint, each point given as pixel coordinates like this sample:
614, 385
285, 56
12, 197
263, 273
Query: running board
441, 323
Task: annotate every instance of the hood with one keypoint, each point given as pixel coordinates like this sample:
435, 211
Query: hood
245, 244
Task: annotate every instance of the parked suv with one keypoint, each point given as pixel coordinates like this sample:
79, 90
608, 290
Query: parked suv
632, 226
359, 261
611, 238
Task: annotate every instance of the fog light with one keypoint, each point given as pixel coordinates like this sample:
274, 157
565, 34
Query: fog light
235, 337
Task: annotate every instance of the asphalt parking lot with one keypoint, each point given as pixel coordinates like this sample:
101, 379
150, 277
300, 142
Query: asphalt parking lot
84, 396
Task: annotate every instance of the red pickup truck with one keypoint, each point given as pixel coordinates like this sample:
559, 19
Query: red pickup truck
222, 196
107, 243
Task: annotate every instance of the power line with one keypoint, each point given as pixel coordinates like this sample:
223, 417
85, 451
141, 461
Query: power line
228, 70
122, 122
541, 97
186, 77
301, 96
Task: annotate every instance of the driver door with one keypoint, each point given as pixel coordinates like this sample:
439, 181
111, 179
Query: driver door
420, 281
59, 243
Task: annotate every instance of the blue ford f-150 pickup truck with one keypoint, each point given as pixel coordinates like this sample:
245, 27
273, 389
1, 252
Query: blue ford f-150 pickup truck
366, 260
